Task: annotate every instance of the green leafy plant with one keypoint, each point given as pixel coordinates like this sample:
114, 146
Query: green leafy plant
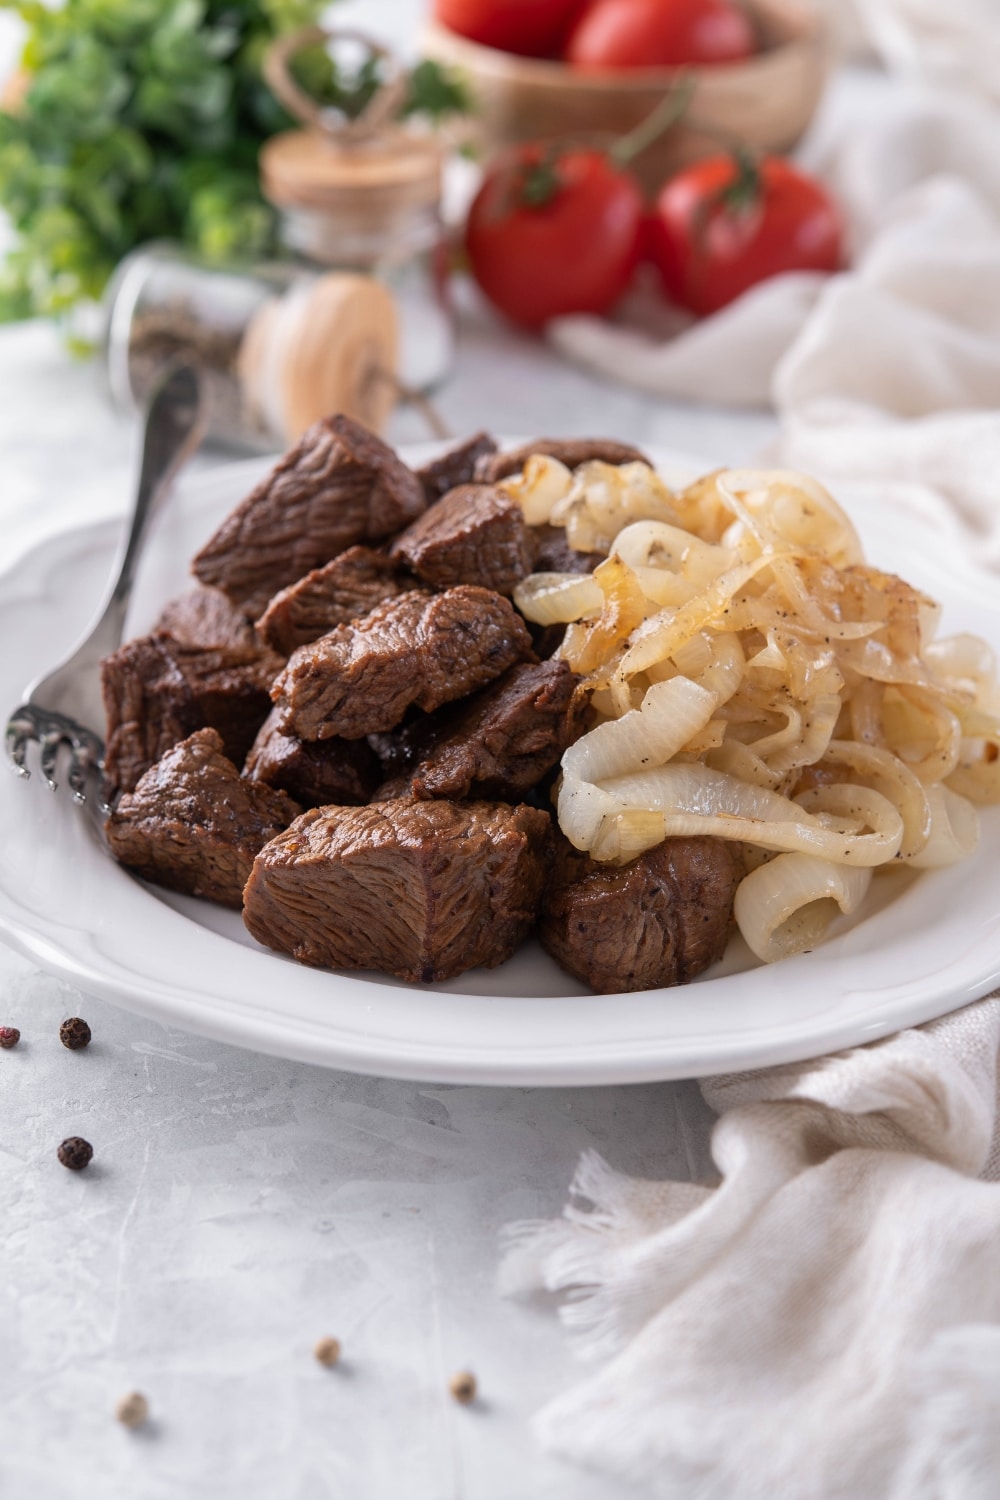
141, 119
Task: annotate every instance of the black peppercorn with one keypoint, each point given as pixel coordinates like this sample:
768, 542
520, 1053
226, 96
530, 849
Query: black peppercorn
74, 1034
132, 1410
75, 1153
463, 1387
9, 1037
327, 1351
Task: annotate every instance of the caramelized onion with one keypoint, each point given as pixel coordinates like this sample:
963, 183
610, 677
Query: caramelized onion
785, 906
694, 800
558, 598
542, 483
759, 682
954, 830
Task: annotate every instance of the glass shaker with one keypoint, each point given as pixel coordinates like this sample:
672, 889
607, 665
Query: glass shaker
278, 346
364, 195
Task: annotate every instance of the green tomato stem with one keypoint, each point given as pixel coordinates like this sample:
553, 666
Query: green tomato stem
666, 114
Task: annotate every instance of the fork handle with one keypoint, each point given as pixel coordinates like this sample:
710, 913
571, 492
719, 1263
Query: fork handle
175, 425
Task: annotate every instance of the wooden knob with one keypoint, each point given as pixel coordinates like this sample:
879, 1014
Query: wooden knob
328, 345
379, 110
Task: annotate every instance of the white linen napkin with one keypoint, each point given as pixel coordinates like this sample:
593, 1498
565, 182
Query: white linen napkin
825, 1323
951, 42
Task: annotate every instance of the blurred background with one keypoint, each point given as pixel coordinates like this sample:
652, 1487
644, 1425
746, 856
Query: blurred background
140, 121
652, 218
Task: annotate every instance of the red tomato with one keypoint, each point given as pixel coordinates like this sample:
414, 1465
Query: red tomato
721, 226
659, 33
533, 28
553, 232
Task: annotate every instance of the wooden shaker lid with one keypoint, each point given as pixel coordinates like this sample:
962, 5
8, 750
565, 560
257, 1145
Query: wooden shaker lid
328, 345
361, 176
392, 171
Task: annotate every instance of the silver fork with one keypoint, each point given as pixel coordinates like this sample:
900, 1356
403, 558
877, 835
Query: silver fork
59, 707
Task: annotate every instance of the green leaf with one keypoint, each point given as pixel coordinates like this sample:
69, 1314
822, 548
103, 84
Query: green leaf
437, 91
143, 120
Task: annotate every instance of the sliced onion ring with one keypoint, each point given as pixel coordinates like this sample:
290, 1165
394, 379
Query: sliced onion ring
954, 830
695, 800
558, 598
785, 906
671, 713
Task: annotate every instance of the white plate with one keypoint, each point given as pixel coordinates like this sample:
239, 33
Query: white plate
927, 943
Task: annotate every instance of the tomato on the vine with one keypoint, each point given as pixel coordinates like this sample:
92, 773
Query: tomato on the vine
659, 33
554, 231
532, 28
726, 223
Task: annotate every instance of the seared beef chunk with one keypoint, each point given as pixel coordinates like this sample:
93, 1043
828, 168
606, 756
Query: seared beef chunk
347, 588
501, 741
475, 534
570, 451
341, 771
398, 749
157, 691
194, 824
554, 554
205, 617
457, 466
421, 890
339, 485
426, 649
657, 921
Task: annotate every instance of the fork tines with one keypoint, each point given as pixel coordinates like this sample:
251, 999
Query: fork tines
51, 729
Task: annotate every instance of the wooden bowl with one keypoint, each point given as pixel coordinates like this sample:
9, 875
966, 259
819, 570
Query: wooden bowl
764, 103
